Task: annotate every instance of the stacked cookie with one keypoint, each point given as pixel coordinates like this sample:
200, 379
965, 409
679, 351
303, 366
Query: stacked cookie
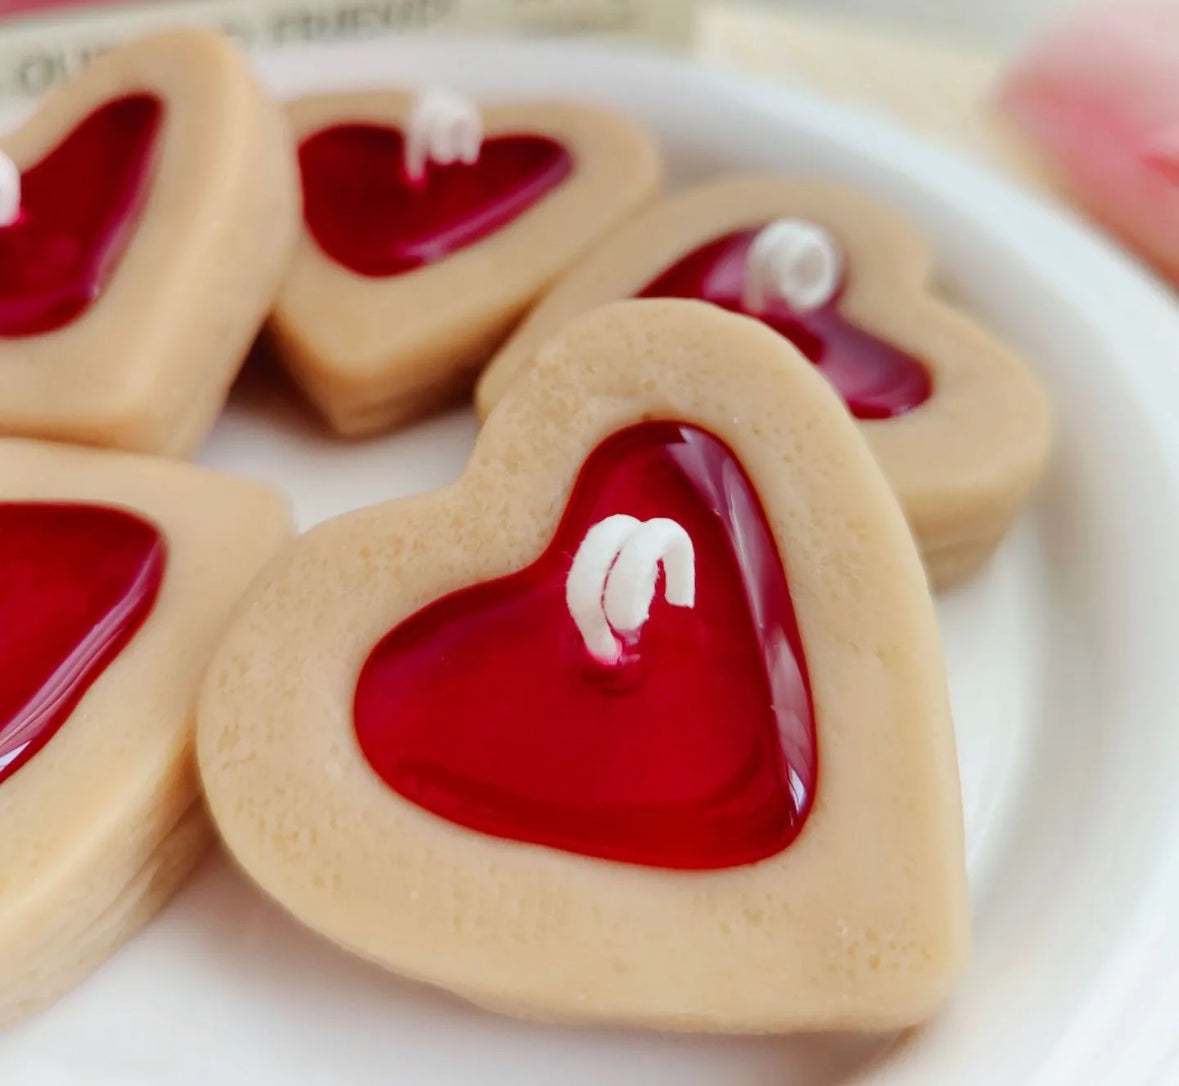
150, 219
644, 719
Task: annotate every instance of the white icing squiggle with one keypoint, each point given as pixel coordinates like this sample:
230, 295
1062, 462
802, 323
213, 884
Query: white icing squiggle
793, 260
9, 191
612, 581
443, 127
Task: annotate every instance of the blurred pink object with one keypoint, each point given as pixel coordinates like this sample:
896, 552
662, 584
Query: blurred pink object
1100, 95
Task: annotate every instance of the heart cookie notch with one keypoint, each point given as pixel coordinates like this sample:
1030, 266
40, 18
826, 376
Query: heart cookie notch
117, 575
431, 224
538, 818
960, 425
156, 212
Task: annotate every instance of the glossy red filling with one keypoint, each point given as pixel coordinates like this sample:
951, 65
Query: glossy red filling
76, 582
78, 211
875, 379
367, 214
697, 751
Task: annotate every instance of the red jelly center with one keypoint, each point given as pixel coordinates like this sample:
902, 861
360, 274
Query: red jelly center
78, 209
696, 751
875, 379
367, 214
76, 582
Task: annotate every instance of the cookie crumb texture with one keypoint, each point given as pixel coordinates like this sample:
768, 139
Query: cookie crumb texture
104, 820
184, 259
860, 923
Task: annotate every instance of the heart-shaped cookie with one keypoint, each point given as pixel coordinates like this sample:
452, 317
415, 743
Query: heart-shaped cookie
151, 215
431, 224
117, 575
642, 720
958, 423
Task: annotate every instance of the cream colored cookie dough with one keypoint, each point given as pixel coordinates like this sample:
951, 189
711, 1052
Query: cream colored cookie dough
148, 365
106, 820
373, 353
862, 923
962, 463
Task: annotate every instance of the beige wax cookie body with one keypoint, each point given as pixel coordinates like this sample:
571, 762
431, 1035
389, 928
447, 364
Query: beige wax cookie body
105, 821
962, 463
372, 352
861, 922
146, 366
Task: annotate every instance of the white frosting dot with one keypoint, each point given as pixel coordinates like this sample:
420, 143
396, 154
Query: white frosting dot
795, 261
9, 191
443, 126
612, 580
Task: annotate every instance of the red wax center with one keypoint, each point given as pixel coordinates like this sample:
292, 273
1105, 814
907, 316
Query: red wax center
697, 751
76, 582
875, 379
367, 214
78, 210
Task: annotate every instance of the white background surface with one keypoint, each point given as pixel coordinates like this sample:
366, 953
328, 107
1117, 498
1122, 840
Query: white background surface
1060, 658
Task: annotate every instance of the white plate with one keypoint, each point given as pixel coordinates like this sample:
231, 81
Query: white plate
1060, 661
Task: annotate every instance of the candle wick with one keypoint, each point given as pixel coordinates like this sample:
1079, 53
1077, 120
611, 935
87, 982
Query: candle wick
793, 261
443, 127
614, 575
9, 191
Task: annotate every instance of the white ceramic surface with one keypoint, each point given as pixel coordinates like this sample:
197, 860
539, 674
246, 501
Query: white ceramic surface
1060, 660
